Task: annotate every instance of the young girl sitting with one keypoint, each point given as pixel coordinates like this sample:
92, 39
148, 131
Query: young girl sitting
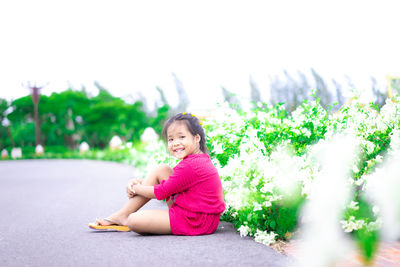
192, 189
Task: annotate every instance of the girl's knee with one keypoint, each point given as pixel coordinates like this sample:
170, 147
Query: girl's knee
133, 222
137, 222
164, 168
163, 171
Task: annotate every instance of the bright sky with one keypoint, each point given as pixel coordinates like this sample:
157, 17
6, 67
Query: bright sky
134, 46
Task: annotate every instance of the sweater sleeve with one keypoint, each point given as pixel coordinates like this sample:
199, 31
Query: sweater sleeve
179, 181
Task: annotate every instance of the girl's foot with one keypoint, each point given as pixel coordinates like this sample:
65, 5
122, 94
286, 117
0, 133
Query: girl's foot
106, 222
112, 220
109, 224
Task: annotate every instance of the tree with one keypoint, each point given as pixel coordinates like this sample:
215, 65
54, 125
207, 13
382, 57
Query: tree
162, 113
380, 97
109, 116
22, 125
164, 101
158, 121
231, 98
255, 95
290, 91
322, 91
35, 93
183, 99
5, 134
71, 116
339, 94
63, 117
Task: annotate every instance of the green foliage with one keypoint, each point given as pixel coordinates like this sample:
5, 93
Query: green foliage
368, 242
259, 150
367, 238
122, 155
157, 122
71, 117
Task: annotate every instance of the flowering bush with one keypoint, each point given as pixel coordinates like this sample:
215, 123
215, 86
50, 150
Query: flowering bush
267, 162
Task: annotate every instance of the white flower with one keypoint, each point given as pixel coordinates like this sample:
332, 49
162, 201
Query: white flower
129, 145
268, 187
296, 131
306, 132
355, 169
218, 149
395, 139
257, 206
377, 225
244, 230
352, 224
264, 237
375, 209
370, 147
267, 204
255, 182
359, 182
353, 205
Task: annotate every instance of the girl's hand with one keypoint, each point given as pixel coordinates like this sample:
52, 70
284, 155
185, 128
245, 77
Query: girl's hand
129, 189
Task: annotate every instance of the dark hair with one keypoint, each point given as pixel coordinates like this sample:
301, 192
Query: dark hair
193, 125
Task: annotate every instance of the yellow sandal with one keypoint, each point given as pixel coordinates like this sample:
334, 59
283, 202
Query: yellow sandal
113, 226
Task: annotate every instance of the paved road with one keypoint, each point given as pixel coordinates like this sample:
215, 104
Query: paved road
45, 206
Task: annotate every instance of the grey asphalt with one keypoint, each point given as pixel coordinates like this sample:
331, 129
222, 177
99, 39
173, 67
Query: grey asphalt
46, 205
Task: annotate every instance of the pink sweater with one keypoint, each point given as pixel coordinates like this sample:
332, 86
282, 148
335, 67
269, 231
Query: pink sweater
195, 186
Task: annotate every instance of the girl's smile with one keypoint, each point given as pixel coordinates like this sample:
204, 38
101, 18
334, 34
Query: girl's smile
181, 142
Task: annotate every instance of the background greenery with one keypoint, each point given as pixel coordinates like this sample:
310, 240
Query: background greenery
71, 117
245, 145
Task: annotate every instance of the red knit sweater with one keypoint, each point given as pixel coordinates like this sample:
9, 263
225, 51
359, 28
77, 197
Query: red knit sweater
195, 185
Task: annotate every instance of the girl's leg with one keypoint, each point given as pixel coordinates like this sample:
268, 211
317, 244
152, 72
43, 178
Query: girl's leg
160, 173
150, 222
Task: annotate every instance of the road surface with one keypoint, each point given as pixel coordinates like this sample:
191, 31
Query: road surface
46, 206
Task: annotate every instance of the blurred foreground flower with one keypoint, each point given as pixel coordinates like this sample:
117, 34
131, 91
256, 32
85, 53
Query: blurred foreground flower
324, 240
383, 187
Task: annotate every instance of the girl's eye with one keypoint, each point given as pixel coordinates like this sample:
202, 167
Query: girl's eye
182, 136
170, 140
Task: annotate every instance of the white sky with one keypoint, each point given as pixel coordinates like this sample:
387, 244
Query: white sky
134, 46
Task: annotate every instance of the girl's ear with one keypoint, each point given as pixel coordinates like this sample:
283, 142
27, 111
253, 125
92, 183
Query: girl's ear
197, 138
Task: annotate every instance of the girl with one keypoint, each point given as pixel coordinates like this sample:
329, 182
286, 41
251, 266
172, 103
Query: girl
192, 189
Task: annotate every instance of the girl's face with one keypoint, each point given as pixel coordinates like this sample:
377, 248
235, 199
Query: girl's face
181, 142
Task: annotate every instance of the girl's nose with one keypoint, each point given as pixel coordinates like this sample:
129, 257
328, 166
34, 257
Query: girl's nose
175, 143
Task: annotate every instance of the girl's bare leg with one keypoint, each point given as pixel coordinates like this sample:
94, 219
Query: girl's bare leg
160, 173
150, 222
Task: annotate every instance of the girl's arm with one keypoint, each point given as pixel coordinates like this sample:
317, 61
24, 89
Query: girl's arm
144, 190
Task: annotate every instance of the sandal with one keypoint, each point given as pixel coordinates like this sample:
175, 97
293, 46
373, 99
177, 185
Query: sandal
113, 226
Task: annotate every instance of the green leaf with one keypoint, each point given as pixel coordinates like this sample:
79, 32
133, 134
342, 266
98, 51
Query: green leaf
272, 224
